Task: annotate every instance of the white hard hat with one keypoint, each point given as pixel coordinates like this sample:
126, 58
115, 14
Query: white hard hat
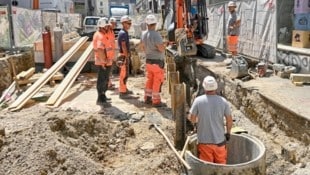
102, 22
112, 19
150, 19
125, 19
232, 4
209, 83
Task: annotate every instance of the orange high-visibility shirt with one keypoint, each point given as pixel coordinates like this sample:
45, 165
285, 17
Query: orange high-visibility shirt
112, 40
102, 41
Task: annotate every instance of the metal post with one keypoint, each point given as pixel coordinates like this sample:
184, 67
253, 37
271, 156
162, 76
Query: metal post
11, 31
58, 42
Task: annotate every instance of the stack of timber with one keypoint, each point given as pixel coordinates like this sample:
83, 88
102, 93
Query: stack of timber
58, 95
24, 81
32, 90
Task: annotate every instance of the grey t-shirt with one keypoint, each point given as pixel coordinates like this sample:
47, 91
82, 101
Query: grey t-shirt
150, 39
231, 20
211, 110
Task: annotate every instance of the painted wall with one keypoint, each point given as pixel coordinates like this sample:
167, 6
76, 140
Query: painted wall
291, 58
257, 39
288, 55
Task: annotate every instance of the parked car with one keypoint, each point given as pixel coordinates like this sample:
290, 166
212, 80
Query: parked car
90, 24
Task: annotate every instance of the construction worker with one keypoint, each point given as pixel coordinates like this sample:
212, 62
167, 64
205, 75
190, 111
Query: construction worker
112, 25
112, 21
103, 60
208, 111
233, 28
123, 60
153, 46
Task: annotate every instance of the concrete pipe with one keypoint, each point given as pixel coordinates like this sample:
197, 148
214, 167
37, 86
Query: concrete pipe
246, 155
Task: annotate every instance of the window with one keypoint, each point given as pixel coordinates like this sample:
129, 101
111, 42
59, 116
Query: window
91, 21
101, 3
101, 11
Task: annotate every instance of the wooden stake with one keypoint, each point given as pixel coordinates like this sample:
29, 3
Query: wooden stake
174, 78
179, 114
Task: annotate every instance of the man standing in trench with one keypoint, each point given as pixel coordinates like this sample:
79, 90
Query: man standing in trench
103, 60
153, 46
233, 28
208, 111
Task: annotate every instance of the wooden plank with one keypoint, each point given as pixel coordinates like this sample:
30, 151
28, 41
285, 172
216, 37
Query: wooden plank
58, 95
298, 83
12, 62
305, 78
87, 54
179, 114
32, 90
173, 78
26, 74
35, 77
8, 91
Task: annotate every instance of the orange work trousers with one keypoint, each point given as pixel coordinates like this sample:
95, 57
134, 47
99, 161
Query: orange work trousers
154, 79
123, 76
232, 44
212, 153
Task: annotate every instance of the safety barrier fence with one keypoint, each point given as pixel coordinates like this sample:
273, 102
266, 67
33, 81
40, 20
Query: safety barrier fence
258, 33
27, 25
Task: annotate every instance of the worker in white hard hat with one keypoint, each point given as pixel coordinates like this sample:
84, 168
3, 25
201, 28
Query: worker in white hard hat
123, 59
103, 60
153, 46
112, 26
233, 28
112, 21
208, 112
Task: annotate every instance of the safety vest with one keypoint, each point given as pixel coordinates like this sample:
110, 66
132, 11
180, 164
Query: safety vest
102, 41
112, 40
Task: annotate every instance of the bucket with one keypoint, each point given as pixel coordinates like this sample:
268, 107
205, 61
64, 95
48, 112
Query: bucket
239, 67
246, 155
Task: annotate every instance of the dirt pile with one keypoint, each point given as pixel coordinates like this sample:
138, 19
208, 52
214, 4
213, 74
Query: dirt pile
38, 140
74, 142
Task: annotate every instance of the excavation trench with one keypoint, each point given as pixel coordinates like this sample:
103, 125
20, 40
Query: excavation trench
261, 109
247, 154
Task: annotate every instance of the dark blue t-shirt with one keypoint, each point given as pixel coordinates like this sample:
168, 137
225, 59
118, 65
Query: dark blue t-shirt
123, 36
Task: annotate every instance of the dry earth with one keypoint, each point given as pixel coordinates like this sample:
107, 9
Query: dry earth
77, 140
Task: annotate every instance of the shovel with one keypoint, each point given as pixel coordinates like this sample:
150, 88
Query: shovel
171, 146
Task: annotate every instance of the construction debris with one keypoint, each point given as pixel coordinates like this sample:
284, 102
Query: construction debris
283, 71
300, 79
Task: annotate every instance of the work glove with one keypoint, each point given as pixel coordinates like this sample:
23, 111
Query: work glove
227, 136
161, 64
120, 60
119, 63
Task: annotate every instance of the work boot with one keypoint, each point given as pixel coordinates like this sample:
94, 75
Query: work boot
102, 99
99, 102
111, 87
129, 92
101, 111
158, 105
148, 100
124, 95
106, 105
